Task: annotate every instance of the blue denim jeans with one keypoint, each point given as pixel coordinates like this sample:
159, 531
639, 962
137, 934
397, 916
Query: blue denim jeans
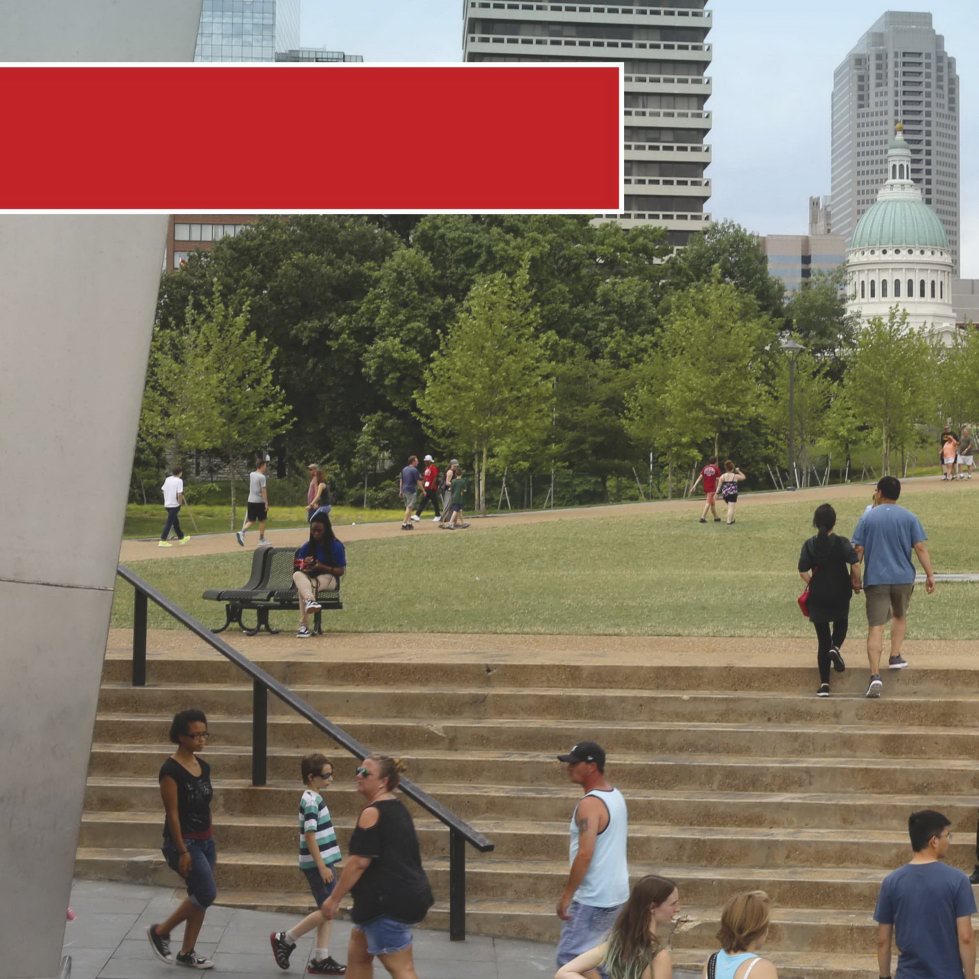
585, 928
200, 881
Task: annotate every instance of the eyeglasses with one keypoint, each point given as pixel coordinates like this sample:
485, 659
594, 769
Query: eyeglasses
362, 772
198, 736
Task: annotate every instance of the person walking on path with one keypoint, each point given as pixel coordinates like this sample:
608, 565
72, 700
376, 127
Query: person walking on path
257, 504
318, 494
884, 538
319, 856
173, 499
430, 490
320, 564
450, 475
744, 928
927, 907
384, 873
188, 842
967, 447
408, 491
728, 483
950, 451
459, 486
598, 881
830, 567
709, 474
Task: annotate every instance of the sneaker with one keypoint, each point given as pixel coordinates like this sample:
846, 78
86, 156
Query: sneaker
415, 516
164, 543
463, 525
434, 520
823, 690
185, 539
974, 876
896, 663
240, 537
262, 542
303, 632
703, 520
717, 519
836, 658
313, 606
281, 949
326, 967
160, 945
191, 960
876, 687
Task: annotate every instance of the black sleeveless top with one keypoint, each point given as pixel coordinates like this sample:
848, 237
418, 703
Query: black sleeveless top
194, 794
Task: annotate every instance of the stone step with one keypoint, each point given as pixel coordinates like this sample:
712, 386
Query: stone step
660, 737
678, 807
900, 706
796, 673
819, 774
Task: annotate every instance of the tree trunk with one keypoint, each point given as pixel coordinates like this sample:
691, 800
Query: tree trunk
482, 481
717, 446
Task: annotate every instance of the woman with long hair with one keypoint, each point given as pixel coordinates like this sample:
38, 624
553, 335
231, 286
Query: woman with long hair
634, 949
744, 927
320, 564
318, 496
384, 873
830, 567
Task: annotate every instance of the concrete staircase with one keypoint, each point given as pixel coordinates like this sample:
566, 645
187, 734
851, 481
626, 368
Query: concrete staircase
736, 776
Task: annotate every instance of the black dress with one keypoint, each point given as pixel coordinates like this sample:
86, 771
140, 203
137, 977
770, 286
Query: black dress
829, 558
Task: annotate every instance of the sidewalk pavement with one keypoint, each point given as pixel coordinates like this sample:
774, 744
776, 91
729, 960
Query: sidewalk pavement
108, 941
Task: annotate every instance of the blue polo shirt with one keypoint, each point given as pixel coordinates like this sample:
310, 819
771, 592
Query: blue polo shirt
887, 534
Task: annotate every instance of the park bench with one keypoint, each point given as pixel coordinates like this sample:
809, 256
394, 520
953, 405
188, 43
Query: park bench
270, 588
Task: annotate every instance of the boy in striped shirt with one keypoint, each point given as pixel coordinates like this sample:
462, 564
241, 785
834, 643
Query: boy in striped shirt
319, 855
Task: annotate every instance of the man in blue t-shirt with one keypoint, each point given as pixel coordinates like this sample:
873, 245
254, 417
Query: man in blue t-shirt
884, 539
927, 907
408, 491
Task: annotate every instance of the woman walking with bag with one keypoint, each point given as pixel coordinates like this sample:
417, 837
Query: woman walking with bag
728, 487
830, 568
744, 928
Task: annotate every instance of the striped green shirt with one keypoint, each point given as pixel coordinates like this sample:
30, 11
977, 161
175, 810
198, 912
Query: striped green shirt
314, 817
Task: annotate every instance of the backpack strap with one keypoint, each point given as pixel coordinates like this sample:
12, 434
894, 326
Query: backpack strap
712, 966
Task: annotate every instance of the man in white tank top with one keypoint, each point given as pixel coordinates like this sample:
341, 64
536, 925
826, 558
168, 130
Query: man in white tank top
598, 882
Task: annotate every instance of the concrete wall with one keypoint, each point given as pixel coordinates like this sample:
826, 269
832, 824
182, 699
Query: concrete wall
77, 294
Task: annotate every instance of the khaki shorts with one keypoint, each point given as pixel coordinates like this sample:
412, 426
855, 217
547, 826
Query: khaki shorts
885, 600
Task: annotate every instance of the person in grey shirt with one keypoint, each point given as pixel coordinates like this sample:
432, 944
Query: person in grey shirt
258, 503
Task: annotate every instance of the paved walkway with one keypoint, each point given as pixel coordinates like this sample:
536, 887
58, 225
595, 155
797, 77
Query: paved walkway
108, 941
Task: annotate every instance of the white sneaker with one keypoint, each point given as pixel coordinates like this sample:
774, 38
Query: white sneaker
164, 543
313, 606
436, 519
415, 517
240, 537
303, 633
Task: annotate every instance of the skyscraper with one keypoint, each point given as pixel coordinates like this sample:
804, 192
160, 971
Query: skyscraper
897, 72
247, 30
662, 44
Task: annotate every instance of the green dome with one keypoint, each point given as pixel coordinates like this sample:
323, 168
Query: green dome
899, 223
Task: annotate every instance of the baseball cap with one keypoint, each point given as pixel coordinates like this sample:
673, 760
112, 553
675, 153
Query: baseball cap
428, 459
312, 465
453, 462
585, 751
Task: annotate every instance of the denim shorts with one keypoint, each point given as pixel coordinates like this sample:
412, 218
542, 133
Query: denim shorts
585, 928
200, 881
385, 935
321, 890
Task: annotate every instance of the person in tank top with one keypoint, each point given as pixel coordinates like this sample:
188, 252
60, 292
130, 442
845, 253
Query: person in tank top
745, 920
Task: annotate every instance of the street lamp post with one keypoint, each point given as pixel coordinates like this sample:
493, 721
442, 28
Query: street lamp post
792, 348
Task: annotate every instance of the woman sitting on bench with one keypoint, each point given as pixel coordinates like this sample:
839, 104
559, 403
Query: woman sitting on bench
320, 563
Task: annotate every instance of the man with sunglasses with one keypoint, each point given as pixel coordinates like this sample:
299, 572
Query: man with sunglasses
598, 881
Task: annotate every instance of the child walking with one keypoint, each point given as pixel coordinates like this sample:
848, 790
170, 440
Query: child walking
319, 855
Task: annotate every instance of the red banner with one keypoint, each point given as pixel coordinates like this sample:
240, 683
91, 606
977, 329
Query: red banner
282, 137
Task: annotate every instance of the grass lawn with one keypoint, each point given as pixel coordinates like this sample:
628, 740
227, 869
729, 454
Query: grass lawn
652, 574
146, 520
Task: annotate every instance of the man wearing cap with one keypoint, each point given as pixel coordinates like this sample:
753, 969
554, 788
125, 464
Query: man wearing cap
430, 490
598, 882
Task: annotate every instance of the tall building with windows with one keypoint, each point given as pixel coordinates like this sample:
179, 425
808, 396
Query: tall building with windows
247, 30
662, 44
897, 72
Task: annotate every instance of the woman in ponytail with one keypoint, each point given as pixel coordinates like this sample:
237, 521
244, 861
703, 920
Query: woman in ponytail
830, 567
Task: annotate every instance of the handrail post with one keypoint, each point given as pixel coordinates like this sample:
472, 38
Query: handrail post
260, 732
140, 604
457, 886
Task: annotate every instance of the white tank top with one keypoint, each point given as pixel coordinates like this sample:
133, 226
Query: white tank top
606, 883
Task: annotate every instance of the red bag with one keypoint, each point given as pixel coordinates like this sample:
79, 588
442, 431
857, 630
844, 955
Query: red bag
803, 601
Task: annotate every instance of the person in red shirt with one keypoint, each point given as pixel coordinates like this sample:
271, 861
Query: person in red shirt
709, 475
430, 490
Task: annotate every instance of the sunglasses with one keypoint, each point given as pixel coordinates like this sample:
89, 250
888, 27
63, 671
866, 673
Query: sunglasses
362, 772
325, 777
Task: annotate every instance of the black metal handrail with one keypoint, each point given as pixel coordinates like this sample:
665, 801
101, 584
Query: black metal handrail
460, 832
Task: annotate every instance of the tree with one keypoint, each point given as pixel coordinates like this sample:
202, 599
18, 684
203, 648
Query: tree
488, 386
816, 314
210, 387
957, 385
888, 382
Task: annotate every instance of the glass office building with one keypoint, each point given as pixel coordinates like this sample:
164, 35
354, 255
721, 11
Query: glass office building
247, 30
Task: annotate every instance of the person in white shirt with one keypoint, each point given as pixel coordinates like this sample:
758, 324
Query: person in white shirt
258, 503
173, 498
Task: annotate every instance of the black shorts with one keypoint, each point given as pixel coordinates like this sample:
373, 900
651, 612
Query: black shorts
256, 511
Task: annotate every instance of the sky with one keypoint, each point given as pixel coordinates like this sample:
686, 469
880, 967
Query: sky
772, 77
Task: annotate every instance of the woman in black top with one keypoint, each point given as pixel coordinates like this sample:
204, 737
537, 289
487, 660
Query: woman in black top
830, 566
384, 873
188, 844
